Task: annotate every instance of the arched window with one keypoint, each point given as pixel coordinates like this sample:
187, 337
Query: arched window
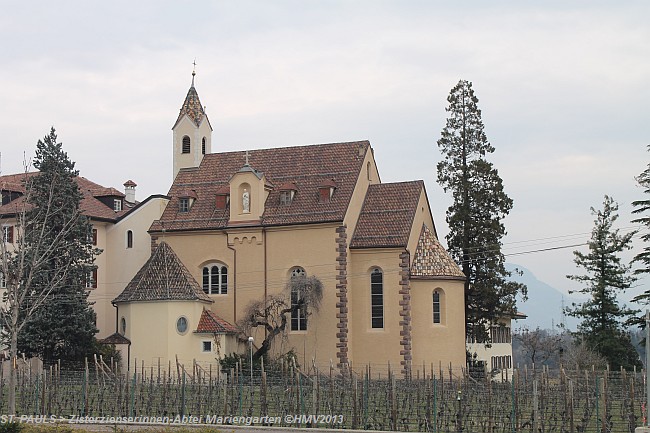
437, 315
298, 310
368, 169
377, 298
203, 146
123, 326
129, 239
215, 279
186, 144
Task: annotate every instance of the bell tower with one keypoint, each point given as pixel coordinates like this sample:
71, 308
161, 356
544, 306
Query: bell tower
192, 132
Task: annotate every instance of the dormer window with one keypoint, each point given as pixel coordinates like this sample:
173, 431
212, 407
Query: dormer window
326, 190
223, 197
286, 197
117, 205
184, 204
287, 193
186, 200
186, 144
222, 202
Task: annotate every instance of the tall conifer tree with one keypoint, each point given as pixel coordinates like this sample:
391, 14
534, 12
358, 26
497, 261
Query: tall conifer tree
475, 218
642, 207
605, 275
63, 327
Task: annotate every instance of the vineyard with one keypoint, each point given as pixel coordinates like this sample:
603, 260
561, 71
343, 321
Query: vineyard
374, 398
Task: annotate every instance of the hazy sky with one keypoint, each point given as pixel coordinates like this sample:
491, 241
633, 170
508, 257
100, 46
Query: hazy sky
563, 87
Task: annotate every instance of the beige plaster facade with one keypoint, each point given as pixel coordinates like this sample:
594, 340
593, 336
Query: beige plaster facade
119, 260
321, 209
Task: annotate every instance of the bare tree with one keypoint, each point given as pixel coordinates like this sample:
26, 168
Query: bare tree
580, 356
301, 298
538, 346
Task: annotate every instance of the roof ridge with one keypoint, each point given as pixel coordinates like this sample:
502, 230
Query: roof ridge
364, 142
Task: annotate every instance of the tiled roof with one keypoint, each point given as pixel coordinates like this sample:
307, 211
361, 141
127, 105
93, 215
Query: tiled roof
210, 323
162, 278
432, 260
387, 215
306, 166
107, 192
90, 205
115, 338
13, 182
192, 108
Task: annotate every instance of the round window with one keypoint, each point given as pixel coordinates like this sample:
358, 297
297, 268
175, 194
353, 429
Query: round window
123, 326
181, 325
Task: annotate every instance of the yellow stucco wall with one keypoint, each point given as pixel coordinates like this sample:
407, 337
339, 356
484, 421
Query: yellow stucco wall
192, 159
443, 343
117, 264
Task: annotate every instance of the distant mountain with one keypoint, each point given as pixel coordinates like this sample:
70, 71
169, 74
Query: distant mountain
544, 304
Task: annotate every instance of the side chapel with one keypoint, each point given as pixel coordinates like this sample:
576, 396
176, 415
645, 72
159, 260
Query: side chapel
240, 224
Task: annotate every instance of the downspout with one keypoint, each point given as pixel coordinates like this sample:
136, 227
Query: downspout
117, 315
265, 276
234, 280
117, 331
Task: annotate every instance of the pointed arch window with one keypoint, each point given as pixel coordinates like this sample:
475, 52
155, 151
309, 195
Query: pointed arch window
203, 146
298, 312
377, 298
215, 279
186, 144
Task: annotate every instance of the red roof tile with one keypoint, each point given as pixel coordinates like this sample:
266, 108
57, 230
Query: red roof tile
90, 205
210, 323
387, 215
306, 166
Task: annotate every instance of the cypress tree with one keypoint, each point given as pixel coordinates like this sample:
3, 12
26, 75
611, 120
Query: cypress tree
605, 275
63, 327
476, 216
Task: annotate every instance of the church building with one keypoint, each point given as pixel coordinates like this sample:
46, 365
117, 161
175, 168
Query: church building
239, 225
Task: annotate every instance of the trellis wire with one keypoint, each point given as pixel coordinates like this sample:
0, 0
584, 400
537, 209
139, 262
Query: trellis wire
373, 397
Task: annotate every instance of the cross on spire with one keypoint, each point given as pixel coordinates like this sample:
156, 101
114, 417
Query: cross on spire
247, 155
193, 71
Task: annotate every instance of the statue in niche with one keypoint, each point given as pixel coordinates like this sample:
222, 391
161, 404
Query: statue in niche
246, 201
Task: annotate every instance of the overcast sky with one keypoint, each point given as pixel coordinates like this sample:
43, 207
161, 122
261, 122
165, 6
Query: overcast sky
563, 87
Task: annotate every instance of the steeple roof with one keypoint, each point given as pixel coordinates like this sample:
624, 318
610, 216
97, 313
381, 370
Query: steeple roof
191, 108
163, 278
431, 260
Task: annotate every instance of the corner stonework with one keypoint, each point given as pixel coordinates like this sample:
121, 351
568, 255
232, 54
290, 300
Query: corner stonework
405, 314
342, 294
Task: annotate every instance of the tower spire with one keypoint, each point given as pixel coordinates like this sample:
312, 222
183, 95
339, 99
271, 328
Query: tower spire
193, 71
